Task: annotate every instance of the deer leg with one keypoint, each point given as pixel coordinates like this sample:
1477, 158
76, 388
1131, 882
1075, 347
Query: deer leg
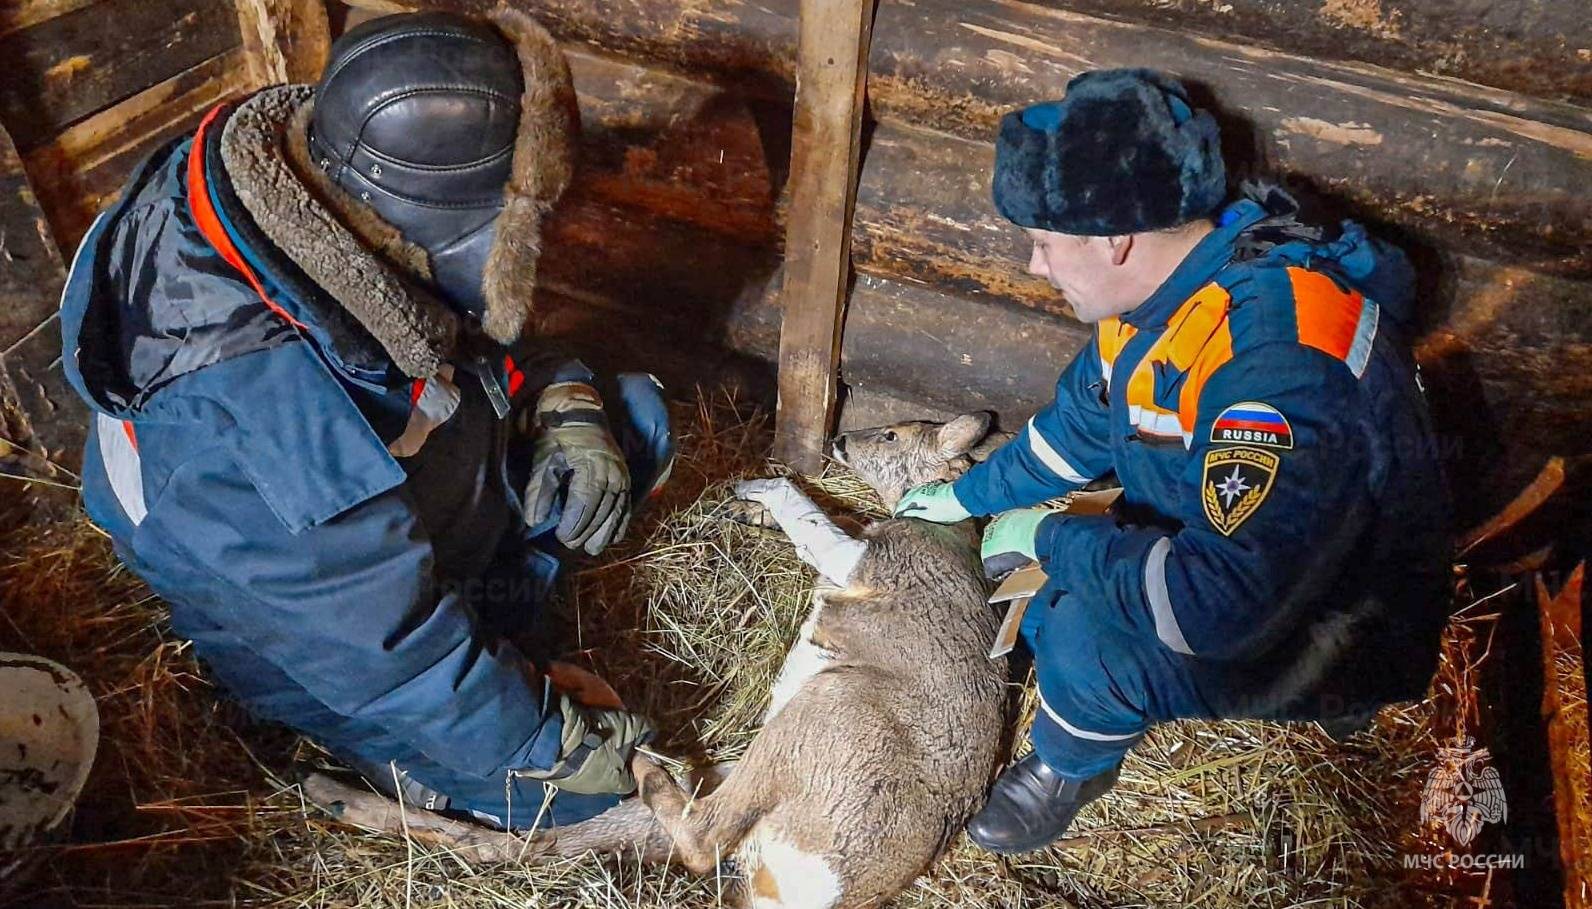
370, 811
818, 542
703, 830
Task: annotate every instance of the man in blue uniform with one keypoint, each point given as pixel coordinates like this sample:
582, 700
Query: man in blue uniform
319, 434
1281, 545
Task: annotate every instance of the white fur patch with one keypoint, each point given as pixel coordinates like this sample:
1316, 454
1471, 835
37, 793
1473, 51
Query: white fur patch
804, 661
803, 880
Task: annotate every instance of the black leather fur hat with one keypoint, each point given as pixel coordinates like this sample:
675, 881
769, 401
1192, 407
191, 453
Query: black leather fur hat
1123, 152
458, 133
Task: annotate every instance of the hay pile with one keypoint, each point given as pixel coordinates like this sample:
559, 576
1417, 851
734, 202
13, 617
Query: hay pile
192, 804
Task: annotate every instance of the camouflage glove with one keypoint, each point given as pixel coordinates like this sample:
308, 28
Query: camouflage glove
595, 750
1010, 541
935, 502
574, 449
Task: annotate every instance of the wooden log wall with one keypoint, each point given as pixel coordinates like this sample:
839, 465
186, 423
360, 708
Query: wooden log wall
1530, 46
88, 88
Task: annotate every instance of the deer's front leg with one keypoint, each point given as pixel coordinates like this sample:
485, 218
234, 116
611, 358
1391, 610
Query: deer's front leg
818, 542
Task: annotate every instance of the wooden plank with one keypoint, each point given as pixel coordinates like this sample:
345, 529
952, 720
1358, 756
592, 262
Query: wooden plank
31, 277
78, 171
1564, 707
71, 66
1522, 506
41, 420
285, 40
20, 14
1522, 45
826, 147
679, 147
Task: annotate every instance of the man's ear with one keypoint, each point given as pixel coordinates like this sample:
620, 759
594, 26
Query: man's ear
1120, 246
960, 435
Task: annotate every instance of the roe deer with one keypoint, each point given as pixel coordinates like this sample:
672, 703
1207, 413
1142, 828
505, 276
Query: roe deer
883, 731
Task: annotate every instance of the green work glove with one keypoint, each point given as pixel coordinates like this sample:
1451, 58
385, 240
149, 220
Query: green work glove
1009, 541
575, 451
932, 502
595, 750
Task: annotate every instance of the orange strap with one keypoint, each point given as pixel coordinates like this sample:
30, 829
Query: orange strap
205, 218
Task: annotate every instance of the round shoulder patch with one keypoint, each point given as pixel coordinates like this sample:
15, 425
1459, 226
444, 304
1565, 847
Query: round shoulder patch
1252, 423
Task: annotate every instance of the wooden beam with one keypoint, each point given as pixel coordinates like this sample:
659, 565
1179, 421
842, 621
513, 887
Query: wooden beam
286, 40
832, 79
1564, 707
20, 14
41, 419
77, 171
76, 64
1542, 50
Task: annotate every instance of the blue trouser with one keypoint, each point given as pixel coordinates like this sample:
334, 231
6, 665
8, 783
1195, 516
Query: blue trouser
506, 597
1099, 688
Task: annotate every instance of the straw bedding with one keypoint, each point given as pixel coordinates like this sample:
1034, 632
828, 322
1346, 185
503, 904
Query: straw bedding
193, 804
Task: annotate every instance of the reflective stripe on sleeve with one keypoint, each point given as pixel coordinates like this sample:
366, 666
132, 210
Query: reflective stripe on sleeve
1052, 458
1072, 730
1166, 627
122, 467
1364, 338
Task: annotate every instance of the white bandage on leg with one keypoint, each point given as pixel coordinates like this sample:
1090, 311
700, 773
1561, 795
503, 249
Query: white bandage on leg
818, 541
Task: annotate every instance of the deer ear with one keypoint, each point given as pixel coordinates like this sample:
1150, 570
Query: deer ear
960, 435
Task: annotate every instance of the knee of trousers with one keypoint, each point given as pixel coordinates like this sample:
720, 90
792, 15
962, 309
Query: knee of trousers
1093, 680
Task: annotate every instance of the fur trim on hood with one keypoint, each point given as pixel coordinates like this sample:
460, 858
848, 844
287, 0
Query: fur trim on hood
544, 163
362, 261
416, 331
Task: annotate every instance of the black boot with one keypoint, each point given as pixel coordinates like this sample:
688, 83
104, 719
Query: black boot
1031, 806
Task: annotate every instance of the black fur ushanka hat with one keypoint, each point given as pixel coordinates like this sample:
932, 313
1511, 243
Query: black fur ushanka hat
1123, 152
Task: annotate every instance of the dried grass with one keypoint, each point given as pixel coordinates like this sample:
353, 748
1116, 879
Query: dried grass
191, 804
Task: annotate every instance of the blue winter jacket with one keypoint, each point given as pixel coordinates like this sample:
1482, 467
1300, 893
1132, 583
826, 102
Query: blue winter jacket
239, 458
1283, 508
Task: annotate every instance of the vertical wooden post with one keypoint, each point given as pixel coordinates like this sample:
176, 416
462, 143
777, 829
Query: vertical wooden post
285, 40
1564, 708
831, 80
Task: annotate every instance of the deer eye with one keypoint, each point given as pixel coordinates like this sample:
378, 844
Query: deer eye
889, 435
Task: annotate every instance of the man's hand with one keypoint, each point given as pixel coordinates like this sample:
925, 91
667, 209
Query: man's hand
935, 502
574, 449
1009, 541
595, 750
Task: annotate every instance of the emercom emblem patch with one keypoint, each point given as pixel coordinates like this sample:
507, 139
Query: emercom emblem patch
1252, 423
1235, 483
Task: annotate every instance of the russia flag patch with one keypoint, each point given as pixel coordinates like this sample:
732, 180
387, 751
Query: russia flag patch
1252, 423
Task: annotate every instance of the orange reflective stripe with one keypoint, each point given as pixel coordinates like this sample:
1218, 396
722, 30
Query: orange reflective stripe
1327, 314
1216, 354
1196, 343
1112, 335
209, 224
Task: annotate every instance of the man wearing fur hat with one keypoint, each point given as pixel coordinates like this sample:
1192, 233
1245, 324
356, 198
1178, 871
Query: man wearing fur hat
1281, 546
320, 436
